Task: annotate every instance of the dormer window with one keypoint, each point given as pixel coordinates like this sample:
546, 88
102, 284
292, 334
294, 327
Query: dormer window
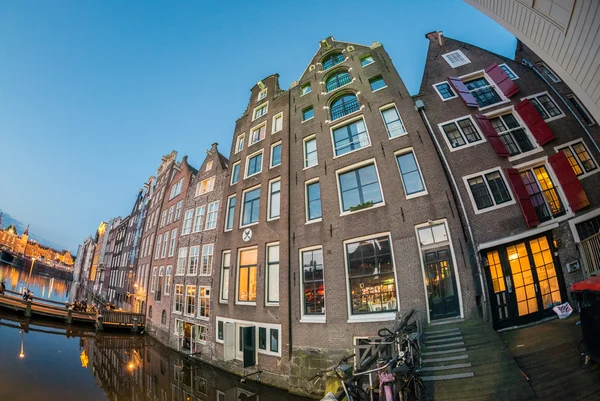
262, 94
331, 60
337, 80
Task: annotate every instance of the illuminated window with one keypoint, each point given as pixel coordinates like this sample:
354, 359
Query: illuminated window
247, 272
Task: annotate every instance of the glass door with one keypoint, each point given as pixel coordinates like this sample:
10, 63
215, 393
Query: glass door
441, 284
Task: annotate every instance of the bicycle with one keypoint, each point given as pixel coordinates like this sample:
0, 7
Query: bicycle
349, 390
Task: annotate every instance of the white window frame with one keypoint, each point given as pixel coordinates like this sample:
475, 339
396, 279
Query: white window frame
510, 69
306, 216
345, 123
163, 253
158, 246
453, 64
370, 317
435, 87
574, 142
224, 300
227, 213
171, 214
153, 280
572, 96
262, 94
245, 323
238, 163
466, 179
580, 219
257, 127
364, 57
215, 213
454, 263
274, 129
467, 144
206, 298
267, 246
305, 160
264, 105
185, 230
278, 143
210, 186
351, 168
562, 113
403, 152
168, 279
306, 108
181, 260
262, 160
237, 277
377, 90
304, 86
173, 242
549, 72
175, 287
178, 208
511, 110
387, 107
185, 304
202, 217
239, 142
189, 263
244, 192
310, 318
206, 268
271, 182
163, 218
483, 74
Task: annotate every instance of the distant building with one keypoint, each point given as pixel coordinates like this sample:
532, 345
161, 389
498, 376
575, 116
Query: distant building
565, 35
23, 245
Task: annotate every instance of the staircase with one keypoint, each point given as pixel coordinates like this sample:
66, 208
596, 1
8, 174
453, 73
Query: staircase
466, 360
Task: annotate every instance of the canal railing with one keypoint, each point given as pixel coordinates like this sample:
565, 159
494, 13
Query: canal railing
50, 309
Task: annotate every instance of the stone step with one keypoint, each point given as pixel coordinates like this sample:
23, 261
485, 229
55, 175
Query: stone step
454, 344
454, 333
448, 377
447, 351
441, 331
443, 340
445, 367
445, 359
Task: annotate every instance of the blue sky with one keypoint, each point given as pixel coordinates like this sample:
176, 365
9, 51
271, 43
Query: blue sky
93, 93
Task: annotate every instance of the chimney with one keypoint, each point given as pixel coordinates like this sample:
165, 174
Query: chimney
214, 147
436, 37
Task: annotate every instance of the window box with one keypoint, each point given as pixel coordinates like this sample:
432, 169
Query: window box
361, 206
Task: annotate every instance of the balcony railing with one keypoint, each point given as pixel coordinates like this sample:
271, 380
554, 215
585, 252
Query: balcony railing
340, 80
330, 62
345, 108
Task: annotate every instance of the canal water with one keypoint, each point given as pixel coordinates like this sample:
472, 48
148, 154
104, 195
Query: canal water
40, 360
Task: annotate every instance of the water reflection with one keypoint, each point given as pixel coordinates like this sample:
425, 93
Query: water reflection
42, 360
43, 285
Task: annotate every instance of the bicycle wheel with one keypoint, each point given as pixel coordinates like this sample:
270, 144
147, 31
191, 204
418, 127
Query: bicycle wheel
358, 394
414, 390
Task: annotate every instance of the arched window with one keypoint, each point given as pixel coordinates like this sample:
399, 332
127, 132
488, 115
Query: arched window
332, 60
344, 105
168, 280
153, 283
150, 316
336, 80
163, 318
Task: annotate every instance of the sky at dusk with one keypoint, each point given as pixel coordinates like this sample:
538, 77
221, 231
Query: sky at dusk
93, 93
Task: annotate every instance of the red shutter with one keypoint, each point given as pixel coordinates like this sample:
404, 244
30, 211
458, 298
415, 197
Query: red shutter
502, 80
519, 190
488, 129
535, 122
568, 181
463, 92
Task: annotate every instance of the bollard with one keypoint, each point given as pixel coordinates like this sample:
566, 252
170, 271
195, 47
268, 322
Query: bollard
28, 309
135, 325
69, 316
99, 323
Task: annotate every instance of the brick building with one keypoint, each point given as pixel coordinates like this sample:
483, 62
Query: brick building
142, 256
193, 281
164, 256
524, 170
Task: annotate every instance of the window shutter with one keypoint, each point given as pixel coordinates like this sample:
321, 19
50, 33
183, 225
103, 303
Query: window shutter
463, 92
519, 190
535, 122
568, 180
502, 80
491, 134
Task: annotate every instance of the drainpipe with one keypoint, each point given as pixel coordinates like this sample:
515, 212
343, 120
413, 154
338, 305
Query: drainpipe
420, 106
289, 221
530, 65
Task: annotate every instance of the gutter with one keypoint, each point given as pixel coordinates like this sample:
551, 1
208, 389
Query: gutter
289, 218
420, 106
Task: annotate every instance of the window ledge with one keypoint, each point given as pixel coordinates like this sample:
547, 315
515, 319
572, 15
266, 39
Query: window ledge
558, 117
377, 90
309, 167
277, 165
341, 120
308, 119
492, 208
252, 175
397, 136
272, 304
245, 303
313, 319
467, 145
373, 317
204, 318
588, 174
223, 301
352, 151
528, 153
249, 225
366, 65
314, 221
362, 210
417, 195
491, 106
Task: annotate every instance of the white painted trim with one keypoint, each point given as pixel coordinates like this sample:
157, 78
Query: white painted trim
221, 299
239, 173
306, 184
304, 140
435, 87
416, 194
262, 161
304, 85
246, 323
467, 143
455, 266
344, 119
258, 98
311, 318
385, 108
378, 316
254, 129
511, 238
562, 113
511, 70
377, 90
242, 206
573, 142
354, 167
344, 124
365, 56
277, 179
580, 219
271, 155
266, 105
467, 61
496, 206
273, 125
267, 245
237, 275
239, 138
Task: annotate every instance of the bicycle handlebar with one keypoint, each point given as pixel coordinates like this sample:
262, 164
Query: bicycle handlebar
329, 369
